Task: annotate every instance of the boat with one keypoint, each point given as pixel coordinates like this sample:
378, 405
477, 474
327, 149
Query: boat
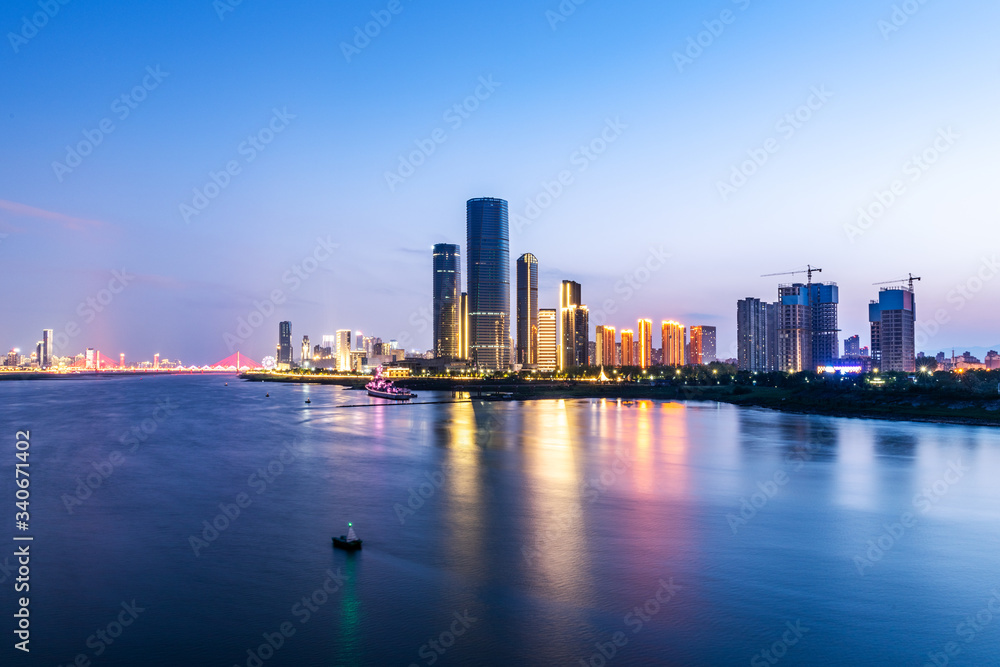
349, 542
308, 401
379, 387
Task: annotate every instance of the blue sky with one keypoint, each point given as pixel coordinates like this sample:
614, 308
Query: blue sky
680, 130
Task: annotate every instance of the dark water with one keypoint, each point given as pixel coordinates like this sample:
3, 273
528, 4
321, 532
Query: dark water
505, 533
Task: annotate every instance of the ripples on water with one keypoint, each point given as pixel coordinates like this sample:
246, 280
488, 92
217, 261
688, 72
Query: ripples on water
537, 532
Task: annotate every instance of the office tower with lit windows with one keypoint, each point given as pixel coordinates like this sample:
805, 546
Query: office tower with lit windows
284, 356
574, 326
547, 339
343, 353
46, 358
488, 263
628, 348
852, 345
645, 344
527, 310
463, 326
892, 320
447, 300
121, 360
606, 353
674, 343
306, 350
808, 333
702, 346
757, 335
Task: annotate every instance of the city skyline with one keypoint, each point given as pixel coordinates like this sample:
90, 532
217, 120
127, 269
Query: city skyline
652, 149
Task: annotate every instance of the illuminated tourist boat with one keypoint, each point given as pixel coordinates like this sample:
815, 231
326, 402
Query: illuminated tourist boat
349, 542
379, 387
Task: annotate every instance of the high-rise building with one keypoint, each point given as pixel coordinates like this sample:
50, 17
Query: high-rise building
574, 326
627, 348
46, 358
121, 360
673, 336
645, 343
527, 310
807, 326
852, 346
343, 353
605, 348
702, 347
463, 326
284, 357
156, 361
547, 340
447, 300
892, 320
306, 350
488, 261
757, 335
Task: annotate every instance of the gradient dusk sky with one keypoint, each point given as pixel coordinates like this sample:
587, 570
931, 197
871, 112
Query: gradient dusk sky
895, 81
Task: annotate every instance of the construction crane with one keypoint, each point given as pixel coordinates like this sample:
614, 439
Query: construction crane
809, 270
901, 280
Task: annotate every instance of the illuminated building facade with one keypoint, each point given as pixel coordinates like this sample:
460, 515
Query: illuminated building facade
547, 339
343, 354
527, 310
628, 346
284, 357
892, 320
488, 261
674, 343
447, 300
574, 326
645, 343
701, 349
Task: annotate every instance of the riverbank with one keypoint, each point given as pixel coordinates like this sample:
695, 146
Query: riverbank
866, 404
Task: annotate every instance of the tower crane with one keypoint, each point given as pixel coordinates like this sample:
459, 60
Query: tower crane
901, 280
810, 269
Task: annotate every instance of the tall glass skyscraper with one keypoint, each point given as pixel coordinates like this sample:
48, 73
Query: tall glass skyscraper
488, 253
447, 304
527, 309
285, 344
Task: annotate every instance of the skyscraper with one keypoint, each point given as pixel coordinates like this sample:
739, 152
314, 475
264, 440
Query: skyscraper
284, 345
645, 343
547, 342
892, 320
46, 359
673, 336
574, 326
463, 326
852, 346
527, 309
306, 350
343, 353
702, 348
488, 260
807, 326
628, 340
447, 300
756, 335
824, 300
606, 352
